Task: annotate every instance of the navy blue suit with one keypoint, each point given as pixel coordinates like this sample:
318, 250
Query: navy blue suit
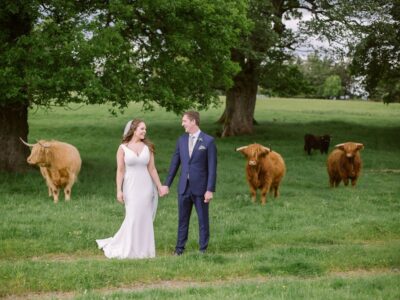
198, 175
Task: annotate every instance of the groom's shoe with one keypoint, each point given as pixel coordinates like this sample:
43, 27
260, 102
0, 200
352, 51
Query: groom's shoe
178, 253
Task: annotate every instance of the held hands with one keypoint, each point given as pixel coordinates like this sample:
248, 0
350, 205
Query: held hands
120, 197
208, 196
163, 190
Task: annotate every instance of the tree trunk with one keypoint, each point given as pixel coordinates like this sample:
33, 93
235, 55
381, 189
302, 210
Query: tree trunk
238, 117
13, 124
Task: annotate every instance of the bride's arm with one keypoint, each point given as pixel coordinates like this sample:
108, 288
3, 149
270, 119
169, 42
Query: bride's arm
120, 174
153, 172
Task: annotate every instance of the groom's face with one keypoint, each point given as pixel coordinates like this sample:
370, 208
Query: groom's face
189, 125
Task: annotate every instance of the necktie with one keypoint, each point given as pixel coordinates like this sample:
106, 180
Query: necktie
191, 144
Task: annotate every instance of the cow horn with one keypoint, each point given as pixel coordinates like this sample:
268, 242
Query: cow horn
339, 145
241, 148
267, 149
25, 143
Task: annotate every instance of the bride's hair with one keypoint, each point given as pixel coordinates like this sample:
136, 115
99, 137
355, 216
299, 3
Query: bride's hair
129, 134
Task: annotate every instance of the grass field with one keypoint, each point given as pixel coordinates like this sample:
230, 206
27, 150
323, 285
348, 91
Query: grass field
313, 242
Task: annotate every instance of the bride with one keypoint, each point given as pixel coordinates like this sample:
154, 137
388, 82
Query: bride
136, 180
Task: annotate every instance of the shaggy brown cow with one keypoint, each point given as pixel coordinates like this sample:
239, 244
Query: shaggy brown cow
265, 170
316, 142
344, 163
59, 164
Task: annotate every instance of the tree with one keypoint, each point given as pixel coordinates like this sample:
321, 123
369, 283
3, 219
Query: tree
332, 86
173, 53
269, 39
377, 57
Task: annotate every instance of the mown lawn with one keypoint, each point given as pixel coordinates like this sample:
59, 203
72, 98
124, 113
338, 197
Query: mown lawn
313, 242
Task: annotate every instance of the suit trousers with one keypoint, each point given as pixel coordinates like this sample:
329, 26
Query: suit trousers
185, 205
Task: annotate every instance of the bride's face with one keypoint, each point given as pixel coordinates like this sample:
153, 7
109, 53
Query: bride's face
140, 131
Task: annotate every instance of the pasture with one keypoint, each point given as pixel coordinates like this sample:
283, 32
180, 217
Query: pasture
313, 242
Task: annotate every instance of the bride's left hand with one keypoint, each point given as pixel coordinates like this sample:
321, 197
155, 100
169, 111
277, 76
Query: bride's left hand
120, 197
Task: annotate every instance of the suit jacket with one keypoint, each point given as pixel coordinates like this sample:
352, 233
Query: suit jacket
200, 169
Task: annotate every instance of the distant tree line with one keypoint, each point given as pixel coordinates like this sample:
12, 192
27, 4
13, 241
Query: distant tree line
312, 77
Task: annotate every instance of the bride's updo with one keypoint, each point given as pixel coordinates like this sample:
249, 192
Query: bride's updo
129, 131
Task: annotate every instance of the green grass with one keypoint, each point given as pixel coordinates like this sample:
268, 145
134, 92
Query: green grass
312, 243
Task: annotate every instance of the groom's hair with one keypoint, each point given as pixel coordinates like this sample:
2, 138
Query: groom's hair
193, 115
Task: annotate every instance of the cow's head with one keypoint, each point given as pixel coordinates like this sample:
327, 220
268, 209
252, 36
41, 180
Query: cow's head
326, 138
39, 154
254, 153
350, 150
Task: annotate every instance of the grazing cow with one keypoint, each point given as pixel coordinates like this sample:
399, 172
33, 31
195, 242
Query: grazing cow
316, 142
265, 170
344, 163
59, 164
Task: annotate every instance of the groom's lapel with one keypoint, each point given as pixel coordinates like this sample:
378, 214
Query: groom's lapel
186, 146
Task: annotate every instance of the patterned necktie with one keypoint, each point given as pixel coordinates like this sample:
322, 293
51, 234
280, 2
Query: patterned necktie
191, 144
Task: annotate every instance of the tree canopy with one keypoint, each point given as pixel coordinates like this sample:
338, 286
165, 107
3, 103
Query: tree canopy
173, 53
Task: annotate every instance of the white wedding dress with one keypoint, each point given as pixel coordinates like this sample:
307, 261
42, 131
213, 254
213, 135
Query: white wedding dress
135, 238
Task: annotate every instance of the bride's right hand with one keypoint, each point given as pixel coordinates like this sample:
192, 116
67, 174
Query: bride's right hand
120, 197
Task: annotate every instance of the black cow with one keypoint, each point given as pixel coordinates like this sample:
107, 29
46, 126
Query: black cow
316, 142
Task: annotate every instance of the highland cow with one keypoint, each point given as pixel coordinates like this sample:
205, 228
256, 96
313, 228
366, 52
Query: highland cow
344, 163
59, 164
264, 169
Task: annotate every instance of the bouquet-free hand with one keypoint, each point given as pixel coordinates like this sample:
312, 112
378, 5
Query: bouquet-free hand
208, 196
120, 197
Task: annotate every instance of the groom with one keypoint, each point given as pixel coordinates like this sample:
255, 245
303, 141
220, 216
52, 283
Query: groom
197, 154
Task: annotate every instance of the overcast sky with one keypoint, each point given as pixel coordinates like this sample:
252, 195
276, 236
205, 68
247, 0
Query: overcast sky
312, 43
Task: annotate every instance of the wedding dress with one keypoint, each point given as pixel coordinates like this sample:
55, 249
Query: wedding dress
135, 238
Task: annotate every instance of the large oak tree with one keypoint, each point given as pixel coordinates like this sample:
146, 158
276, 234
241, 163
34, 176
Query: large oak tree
54, 52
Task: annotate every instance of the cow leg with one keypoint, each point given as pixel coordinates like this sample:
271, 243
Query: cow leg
68, 187
337, 182
264, 193
346, 181
253, 193
67, 193
55, 194
354, 181
276, 191
53, 191
334, 181
46, 176
49, 187
331, 182
264, 197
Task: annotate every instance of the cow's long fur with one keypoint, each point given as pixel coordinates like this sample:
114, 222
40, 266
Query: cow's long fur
59, 163
264, 170
344, 163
